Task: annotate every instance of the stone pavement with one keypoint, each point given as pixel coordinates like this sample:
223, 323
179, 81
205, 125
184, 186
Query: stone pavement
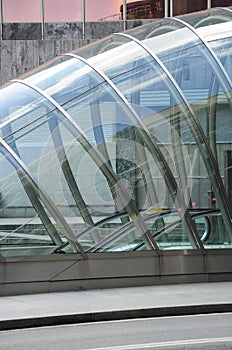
46, 309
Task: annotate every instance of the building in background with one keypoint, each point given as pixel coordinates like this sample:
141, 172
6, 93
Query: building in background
144, 9
65, 10
72, 10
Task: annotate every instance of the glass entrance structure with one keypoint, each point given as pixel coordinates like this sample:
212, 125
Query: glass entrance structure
124, 146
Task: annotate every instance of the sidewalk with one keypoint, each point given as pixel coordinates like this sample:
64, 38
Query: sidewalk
110, 304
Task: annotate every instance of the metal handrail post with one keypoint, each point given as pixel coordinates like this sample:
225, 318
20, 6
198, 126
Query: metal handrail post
166, 8
171, 8
83, 18
209, 5
1, 21
42, 18
124, 15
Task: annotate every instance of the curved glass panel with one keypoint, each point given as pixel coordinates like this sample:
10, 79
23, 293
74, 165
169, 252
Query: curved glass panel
65, 80
67, 172
165, 37
96, 48
154, 29
22, 230
223, 50
109, 124
153, 173
207, 18
209, 95
120, 60
161, 110
51, 158
215, 32
20, 107
148, 89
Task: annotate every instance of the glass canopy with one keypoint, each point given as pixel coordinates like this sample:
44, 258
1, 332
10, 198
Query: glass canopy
122, 145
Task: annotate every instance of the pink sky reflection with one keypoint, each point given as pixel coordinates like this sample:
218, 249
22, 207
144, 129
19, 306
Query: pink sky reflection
58, 10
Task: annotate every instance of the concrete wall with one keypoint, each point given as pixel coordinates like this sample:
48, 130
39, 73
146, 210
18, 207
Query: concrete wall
67, 272
26, 45
20, 56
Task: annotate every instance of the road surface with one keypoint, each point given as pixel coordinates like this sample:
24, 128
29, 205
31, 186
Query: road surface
183, 332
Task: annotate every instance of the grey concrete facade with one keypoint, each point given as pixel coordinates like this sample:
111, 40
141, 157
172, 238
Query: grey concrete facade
25, 46
68, 272
20, 56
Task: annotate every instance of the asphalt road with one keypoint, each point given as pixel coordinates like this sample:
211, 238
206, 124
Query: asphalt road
184, 332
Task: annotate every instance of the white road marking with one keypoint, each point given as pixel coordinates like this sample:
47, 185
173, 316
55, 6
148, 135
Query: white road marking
168, 343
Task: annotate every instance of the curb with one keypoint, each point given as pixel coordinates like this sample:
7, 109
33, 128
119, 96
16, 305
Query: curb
113, 315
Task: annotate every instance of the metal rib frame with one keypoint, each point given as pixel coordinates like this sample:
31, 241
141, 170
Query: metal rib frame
155, 151
227, 9
201, 140
67, 172
29, 189
103, 165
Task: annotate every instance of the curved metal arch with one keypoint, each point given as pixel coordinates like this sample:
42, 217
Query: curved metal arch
216, 15
212, 53
152, 146
227, 9
123, 196
212, 111
160, 30
17, 162
201, 140
204, 21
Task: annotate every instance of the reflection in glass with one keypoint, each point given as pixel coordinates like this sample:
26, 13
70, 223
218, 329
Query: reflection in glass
223, 49
22, 232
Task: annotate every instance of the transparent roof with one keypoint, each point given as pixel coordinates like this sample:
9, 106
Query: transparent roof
122, 145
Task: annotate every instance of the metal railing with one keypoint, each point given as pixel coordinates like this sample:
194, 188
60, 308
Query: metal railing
168, 12
1, 21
